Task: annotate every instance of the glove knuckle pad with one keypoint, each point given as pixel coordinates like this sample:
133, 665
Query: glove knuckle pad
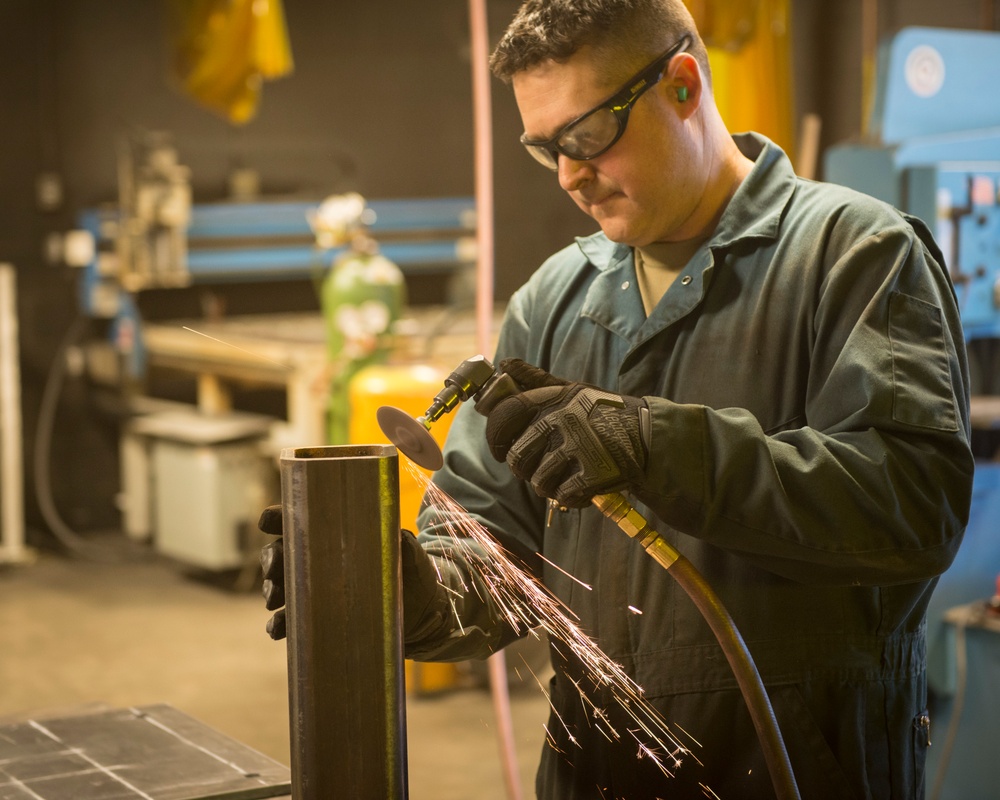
271, 521
506, 423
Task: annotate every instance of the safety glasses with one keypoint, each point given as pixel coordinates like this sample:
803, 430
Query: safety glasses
594, 132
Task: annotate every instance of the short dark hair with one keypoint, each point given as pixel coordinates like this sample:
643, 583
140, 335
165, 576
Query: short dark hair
625, 35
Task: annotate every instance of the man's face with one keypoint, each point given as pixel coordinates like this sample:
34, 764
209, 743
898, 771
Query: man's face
643, 189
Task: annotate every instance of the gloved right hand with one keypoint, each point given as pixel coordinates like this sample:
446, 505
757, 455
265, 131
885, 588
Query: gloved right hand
571, 441
420, 578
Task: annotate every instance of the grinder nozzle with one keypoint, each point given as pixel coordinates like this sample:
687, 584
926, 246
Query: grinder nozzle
473, 378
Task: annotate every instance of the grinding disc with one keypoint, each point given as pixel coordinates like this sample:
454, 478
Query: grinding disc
412, 438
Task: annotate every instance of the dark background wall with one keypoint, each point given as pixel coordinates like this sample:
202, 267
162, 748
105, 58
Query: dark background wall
380, 103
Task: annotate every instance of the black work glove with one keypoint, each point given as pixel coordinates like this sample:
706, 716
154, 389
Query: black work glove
421, 587
272, 562
570, 440
420, 578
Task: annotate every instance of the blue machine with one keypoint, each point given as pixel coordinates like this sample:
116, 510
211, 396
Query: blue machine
251, 242
935, 153
262, 241
155, 238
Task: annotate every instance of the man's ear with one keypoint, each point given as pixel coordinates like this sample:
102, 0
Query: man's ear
685, 83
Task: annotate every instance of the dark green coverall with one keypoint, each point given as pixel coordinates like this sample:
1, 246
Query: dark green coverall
807, 382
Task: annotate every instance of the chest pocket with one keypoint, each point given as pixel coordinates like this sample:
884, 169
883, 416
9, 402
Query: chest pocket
922, 387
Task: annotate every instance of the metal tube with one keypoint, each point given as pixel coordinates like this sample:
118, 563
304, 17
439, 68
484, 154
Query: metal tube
344, 615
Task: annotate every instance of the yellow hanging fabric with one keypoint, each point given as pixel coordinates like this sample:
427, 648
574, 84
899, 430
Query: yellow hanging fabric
223, 50
749, 50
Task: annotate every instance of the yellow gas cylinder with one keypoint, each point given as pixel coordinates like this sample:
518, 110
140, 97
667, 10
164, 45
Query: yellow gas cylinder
411, 388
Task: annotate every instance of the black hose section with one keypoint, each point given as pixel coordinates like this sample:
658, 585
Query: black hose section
49, 405
752, 687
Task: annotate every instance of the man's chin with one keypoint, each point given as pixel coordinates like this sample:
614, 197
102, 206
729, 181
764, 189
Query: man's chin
617, 227
617, 231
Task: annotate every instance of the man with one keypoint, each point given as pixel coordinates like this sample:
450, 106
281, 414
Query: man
784, 398
799, 352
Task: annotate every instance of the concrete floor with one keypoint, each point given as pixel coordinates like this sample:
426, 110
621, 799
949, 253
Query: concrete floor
77, 634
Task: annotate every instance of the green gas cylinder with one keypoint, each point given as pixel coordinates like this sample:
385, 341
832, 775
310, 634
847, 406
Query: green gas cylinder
362, 297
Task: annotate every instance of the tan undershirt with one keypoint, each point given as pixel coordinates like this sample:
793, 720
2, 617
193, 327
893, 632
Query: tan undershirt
656, 267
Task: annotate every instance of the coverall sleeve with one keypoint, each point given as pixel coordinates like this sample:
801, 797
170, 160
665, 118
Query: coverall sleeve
871, 486
467, 622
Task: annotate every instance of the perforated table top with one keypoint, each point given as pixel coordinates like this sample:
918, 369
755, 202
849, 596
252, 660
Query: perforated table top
148, 753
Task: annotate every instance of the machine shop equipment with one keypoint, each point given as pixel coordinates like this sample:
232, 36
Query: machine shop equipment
934, 152
156, 238
150, 752
154, 242
194, 483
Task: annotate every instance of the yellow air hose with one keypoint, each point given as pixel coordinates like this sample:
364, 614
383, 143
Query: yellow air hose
616, 508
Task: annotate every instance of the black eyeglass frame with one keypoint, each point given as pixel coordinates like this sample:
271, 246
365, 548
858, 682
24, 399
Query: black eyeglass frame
547, 152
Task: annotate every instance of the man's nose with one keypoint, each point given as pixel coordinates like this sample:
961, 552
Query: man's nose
574, 174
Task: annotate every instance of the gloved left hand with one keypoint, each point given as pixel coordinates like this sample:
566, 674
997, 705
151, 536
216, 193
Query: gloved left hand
272, 562
420, 579
570, 440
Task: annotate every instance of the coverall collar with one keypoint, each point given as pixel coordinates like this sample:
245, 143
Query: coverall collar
754, 212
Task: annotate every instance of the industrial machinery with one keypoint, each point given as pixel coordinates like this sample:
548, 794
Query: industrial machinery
149, 752
156, 238
215, 461
934, 152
